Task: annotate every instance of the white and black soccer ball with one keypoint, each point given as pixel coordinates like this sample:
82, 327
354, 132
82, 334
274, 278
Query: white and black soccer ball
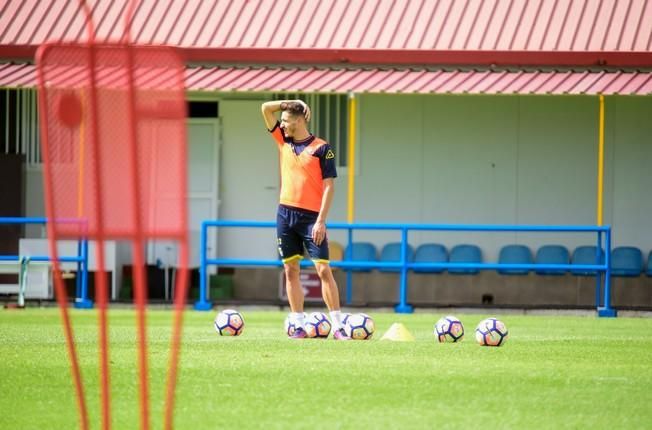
291, 326
229, 322
491, 332
318, 325
449, 329
360, 327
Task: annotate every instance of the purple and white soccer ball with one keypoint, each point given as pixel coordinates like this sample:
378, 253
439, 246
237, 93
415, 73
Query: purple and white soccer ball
360, 327
318, 325
229, 322
291, 326
491, 332
449, 329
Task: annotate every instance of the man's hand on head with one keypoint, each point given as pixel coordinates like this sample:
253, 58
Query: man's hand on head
306, 109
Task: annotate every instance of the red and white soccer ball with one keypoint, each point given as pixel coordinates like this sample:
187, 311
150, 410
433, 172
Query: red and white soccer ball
491, 332
229, 322
290, 326
449, 329
360, 327
317, 325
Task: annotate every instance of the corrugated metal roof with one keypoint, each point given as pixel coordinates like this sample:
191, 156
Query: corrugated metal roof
530, 25
377, 80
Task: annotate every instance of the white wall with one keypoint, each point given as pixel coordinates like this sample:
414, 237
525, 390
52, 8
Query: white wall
454, 159
503, 160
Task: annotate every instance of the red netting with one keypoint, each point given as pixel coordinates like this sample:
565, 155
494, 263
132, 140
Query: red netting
114, 149
115, 156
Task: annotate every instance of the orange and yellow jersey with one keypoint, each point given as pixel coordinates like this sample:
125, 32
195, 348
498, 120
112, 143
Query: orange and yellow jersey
304, 166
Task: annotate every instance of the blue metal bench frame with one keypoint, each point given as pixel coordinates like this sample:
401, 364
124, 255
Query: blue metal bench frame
81, 300
603, 233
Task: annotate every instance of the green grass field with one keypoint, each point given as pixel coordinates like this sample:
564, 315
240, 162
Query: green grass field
554, 372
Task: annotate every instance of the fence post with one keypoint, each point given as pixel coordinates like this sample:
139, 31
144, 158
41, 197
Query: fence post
403, 307
82, 301
607, 310
203, 304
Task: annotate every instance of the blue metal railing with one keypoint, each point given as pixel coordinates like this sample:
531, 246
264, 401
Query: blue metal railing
604, 308
81, 282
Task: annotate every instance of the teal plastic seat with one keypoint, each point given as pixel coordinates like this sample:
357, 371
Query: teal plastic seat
514, 254
586, 255
361, 251
465, 253
430, 253
391, 253
552, 254
626, 261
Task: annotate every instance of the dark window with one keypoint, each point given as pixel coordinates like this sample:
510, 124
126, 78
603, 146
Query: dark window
202, 110
330, 120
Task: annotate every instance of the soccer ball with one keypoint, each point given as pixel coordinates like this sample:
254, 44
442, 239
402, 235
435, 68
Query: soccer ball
449, 329
229, 322
491, 332
345, 318
318, 325
290, 326
360, 327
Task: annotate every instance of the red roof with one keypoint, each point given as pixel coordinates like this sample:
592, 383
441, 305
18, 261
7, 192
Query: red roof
435, 26
376, 80
530, 25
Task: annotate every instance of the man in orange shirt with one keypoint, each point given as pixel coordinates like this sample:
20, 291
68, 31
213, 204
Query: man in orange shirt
307, 174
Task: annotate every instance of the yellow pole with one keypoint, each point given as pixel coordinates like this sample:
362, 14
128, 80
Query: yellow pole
351, 159
600, 161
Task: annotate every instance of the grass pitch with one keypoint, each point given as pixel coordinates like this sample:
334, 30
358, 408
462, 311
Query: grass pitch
554, 372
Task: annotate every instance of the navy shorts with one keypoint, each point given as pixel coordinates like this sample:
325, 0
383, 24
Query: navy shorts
294, 232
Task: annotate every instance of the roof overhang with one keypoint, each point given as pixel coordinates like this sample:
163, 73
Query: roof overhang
392, 57
377, 80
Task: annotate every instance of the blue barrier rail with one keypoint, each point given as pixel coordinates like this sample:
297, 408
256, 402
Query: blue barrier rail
81, 286
602, 232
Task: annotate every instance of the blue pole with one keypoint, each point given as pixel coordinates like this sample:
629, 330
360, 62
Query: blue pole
82, 301
349, 274
203, 304
607, 310
78, 279
598, 274
403, 307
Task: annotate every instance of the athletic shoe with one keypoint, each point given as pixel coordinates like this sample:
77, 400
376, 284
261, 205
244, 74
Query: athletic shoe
340, 335
299, 334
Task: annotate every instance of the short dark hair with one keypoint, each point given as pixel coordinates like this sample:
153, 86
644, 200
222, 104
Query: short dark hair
294, 109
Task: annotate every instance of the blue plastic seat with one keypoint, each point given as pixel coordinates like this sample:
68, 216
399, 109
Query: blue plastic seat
465, 253
361, 251
391, 253
552, 254
648, 272
626, 261
586, 255
430, 253
514, 254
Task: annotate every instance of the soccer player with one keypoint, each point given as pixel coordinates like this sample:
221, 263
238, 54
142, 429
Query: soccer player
307, 173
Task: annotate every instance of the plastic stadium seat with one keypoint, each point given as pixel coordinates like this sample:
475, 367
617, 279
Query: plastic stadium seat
552, 254
391, 253
648, 272
586, 255
430, 253
626, 261
361, 251
335, 252
514, 254
465, 254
